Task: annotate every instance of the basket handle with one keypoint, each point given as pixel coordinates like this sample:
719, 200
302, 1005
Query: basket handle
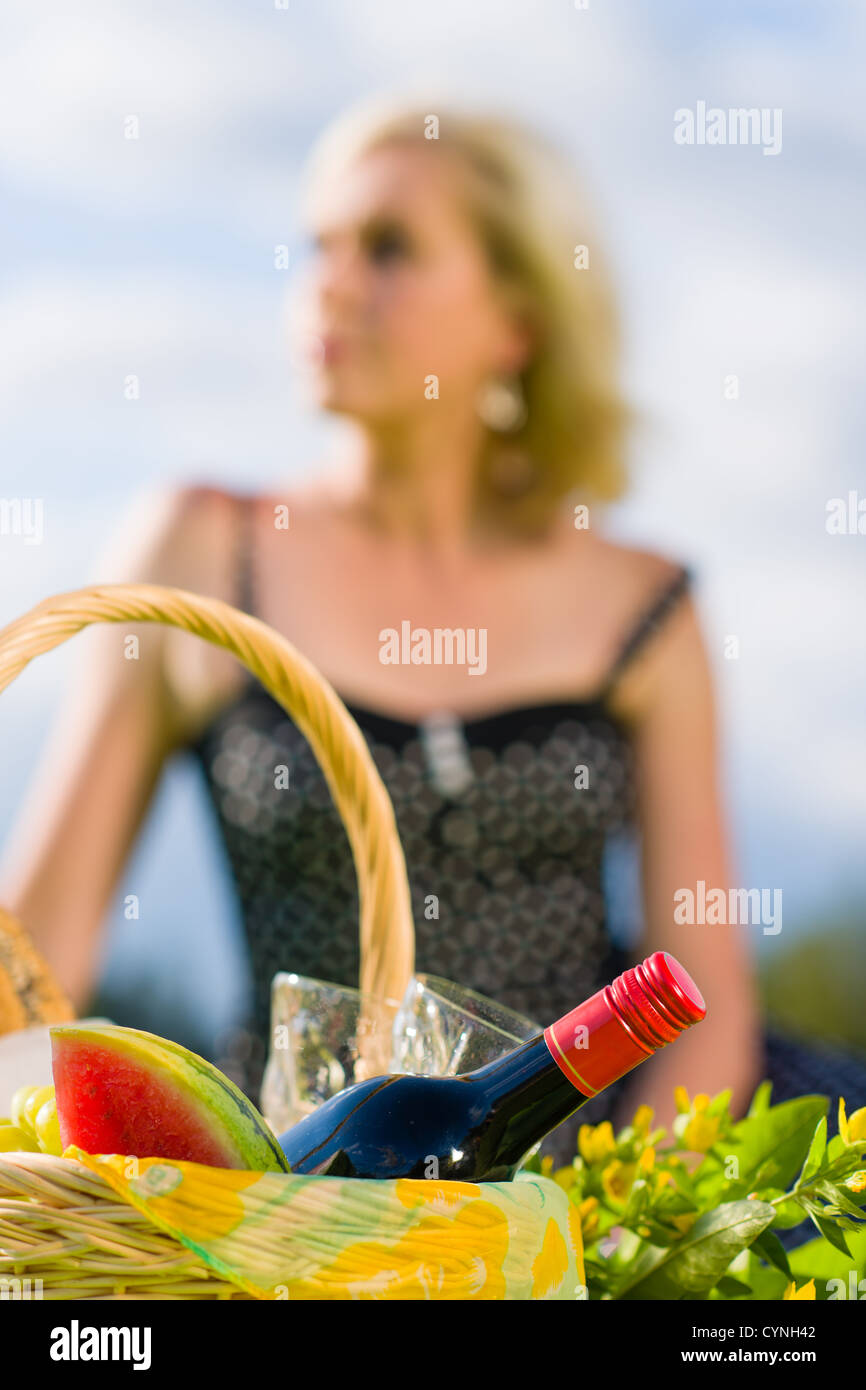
387, 938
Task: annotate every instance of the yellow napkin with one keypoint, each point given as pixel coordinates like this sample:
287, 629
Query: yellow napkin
281, 1236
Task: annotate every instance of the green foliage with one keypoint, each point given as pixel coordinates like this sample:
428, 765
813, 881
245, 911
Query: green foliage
660, 1224
814, 987
697, 1262
769, 1148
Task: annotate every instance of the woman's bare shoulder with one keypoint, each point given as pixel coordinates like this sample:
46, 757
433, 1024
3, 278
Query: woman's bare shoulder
634, 570
191, 534
627, 573
171, 535
314, 504
660, 636
628, 595
183, 537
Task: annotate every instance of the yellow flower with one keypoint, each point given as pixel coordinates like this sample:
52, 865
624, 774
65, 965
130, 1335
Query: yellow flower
547, 1166
587, 1215
643, 1118
857, 1181
681, 1100
590, 1226
663, 1179
617, 1179
853, 1130
807, 1291
646, 1162
565, 1177
685, 1222
702, 1131
596, 1142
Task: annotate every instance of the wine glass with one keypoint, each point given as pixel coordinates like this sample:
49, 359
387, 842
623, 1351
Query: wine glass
324, 1037
444, 1029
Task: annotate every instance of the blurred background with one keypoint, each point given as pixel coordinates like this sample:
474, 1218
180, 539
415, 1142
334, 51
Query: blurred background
743, 295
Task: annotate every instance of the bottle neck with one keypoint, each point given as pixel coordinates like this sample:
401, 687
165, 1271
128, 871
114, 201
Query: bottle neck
585, 1051
594, 1045
525, 1095
539, 1084
515, 1069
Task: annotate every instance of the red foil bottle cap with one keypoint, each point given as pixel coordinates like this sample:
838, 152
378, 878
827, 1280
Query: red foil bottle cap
644, 1009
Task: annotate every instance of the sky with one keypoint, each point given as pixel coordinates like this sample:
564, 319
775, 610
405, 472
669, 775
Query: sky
154, 256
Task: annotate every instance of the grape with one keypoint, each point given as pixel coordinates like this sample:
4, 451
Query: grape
48, 1128
13, 1139
33, 1104
19, 1100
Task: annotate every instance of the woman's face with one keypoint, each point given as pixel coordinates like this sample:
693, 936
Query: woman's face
399, 291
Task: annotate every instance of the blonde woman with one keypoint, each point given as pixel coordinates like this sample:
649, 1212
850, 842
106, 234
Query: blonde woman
473, 356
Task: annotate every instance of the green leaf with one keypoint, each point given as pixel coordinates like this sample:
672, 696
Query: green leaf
700, 1258
761, 1099
770, 1148
839, 1198
830, 1231
670, 1202
767, 1282
658, 1234
768, 1245
789, 1213
638, 1200
819, 1260
842, 1166
629, 1245
815, 1154
733, 1288
719, 1104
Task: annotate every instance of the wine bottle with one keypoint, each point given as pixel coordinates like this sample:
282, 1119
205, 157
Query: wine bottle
479, 1126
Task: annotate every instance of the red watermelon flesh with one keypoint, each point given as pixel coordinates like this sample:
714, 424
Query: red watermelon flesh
122, 1091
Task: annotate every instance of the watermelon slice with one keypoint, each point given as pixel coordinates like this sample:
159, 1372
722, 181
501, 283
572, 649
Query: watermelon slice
122, 1091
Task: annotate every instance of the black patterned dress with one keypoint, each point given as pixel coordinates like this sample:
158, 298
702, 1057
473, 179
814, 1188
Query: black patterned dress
491, 824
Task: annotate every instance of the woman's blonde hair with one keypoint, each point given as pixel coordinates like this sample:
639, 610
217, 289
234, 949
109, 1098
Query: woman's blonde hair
525, 201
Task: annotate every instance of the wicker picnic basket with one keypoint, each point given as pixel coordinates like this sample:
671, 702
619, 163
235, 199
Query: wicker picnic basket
93, 1226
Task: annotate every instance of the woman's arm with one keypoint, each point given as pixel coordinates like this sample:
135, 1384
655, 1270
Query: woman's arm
668, 696
98, 772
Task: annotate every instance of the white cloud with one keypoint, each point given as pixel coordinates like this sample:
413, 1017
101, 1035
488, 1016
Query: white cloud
197, 81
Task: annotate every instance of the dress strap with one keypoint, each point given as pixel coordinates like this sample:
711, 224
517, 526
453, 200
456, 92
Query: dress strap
648, 624
244, 554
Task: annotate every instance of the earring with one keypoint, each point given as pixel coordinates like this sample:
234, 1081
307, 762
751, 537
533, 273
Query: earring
502, 405
511, 472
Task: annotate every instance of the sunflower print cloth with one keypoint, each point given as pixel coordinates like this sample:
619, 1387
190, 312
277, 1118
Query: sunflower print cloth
280, 1236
